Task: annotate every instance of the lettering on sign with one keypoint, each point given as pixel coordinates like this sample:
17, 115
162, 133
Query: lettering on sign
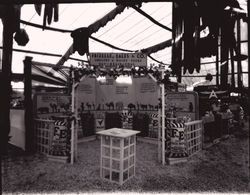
121, 90
116, 60
86, 88
148, 87
213, 94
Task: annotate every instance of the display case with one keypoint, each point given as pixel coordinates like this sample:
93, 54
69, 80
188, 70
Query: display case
118, 154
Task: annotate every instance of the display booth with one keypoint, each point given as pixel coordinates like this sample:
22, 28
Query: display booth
118, 98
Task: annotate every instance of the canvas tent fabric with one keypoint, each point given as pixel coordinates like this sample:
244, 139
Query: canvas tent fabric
128, 30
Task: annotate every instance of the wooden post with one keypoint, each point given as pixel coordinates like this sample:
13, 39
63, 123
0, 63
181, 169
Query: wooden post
28, 116
238, 48
217, 64
73, 121
224, 58
248, 53
232, 67
5, 80
163, 118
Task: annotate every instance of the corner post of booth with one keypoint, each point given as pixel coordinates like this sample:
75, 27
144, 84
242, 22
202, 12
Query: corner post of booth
72, 148
163, 118
29, 131
238, 52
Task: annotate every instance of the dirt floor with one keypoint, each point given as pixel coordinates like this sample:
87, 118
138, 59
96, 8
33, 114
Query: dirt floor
223, 167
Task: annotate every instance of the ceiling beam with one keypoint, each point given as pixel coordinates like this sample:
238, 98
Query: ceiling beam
71, 1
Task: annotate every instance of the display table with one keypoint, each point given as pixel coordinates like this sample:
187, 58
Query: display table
118, 154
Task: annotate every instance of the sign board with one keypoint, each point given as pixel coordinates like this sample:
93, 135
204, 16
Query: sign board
118, 60
52, 103
60, 141
183, 103
176, 134
100, 124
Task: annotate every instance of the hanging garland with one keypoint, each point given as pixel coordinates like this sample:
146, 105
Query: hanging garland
93, 71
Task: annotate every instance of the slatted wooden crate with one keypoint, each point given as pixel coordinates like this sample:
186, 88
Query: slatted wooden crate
44, 129
194, 135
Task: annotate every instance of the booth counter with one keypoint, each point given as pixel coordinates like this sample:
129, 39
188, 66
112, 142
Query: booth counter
118, 154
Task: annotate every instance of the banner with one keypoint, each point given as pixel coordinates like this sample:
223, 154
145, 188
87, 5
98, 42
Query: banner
118, 60
177, 145
127, 119
60, 145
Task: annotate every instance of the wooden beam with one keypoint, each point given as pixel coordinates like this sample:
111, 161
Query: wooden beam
71, 1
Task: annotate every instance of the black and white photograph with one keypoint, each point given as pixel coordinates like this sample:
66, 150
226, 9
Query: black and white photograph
124, 97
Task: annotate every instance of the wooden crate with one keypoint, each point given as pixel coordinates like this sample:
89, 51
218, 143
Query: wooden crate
194, 135
44, 129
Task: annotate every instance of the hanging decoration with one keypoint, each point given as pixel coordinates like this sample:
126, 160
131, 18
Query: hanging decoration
51, 11
94, 71
81, 40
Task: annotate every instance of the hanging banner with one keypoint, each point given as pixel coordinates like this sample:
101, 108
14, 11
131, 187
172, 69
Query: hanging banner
118, 60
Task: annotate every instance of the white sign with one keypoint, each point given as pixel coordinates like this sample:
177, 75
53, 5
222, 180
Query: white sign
118, 60
100, 124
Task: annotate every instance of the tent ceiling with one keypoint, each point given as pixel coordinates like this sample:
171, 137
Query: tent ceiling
129, 30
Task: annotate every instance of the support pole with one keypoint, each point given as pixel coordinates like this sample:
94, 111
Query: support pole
217, 62
224, 50
73, 121
232, 67
238, 48
163, 118
5, 81
248, 52
28, 116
